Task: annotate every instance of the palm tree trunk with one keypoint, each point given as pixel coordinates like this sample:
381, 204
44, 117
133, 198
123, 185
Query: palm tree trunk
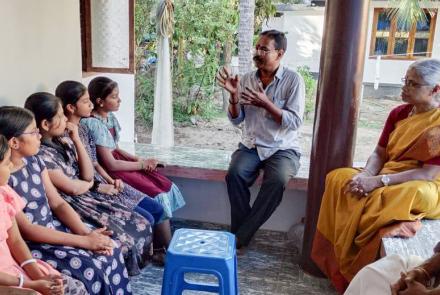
245, 35
227, 53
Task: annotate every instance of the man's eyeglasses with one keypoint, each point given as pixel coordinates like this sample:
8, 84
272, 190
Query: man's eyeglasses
412, 84
36, 131
262, 51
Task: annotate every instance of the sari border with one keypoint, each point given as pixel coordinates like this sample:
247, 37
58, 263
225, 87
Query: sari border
328, 263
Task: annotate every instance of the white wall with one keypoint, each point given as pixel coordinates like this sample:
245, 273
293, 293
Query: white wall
208, 201
391, 71
304, 39
304, 36
125, 114
40, 47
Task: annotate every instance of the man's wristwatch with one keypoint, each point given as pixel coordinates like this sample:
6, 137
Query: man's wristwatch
385, 179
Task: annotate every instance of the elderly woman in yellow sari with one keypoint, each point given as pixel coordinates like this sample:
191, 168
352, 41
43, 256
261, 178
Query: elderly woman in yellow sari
399, 183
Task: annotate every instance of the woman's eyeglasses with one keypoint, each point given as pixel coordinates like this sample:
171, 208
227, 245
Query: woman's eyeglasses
36, 131
412, 84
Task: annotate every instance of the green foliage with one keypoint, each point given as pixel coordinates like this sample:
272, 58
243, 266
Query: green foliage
409, 12
310, 84
264, 9
145, 96
143, 19
202, 27
144, 28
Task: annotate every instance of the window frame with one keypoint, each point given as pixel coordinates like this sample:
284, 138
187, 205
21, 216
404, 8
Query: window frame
391, 38
86, 41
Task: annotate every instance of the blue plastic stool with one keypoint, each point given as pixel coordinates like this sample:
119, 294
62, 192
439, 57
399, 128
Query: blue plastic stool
201, 251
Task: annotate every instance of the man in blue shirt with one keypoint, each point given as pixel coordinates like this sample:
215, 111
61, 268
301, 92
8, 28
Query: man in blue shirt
270, 101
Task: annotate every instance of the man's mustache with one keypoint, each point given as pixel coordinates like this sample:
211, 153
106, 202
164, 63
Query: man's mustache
257, 58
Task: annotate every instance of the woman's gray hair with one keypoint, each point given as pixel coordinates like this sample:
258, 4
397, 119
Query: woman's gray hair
428, 70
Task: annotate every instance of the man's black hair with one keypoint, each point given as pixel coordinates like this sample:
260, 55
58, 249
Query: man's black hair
278, 37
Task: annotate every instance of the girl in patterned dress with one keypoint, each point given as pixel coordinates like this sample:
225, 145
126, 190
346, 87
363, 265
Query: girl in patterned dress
137, 172
53, 230
71, 171
18, 268
77, 104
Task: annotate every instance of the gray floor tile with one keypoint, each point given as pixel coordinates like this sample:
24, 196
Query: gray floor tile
269, 266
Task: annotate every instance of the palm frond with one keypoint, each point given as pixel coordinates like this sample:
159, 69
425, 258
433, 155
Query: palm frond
409, 12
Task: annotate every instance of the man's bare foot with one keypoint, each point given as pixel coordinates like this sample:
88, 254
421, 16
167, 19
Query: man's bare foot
158, 258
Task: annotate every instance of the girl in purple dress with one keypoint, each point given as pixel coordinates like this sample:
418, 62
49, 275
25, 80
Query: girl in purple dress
71, 171
53, 230
77, 105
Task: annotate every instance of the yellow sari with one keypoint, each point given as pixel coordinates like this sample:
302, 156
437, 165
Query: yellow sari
349, 229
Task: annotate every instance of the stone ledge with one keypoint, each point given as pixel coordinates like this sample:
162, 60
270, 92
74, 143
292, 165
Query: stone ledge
203, 164
295, 183
422, 244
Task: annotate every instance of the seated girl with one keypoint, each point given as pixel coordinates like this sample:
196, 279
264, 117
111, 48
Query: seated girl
139, 173
77, 104
18, 268
53, 230
400, 183
71, 171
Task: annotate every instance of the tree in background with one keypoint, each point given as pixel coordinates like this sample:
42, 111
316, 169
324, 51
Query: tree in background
264, 9
144, 29
245, 35
409, 12
205, 33
205, 37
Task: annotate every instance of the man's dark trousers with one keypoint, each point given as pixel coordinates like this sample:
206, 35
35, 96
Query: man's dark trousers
242, 173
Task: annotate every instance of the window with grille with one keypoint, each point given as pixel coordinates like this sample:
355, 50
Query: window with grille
392, 40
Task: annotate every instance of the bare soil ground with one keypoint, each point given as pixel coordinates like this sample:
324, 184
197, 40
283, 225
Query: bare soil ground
221, 134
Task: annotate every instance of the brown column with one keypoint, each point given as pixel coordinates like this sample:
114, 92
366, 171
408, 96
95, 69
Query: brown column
339, 93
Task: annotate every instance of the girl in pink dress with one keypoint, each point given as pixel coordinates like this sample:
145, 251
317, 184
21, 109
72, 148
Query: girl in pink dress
18, 268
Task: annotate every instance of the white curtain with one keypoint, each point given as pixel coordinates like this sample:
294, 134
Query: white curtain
163, 130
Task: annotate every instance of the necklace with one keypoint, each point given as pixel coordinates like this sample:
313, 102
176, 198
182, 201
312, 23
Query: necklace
413, 110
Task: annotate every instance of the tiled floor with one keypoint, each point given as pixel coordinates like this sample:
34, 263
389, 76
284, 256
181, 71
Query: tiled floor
269, 266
